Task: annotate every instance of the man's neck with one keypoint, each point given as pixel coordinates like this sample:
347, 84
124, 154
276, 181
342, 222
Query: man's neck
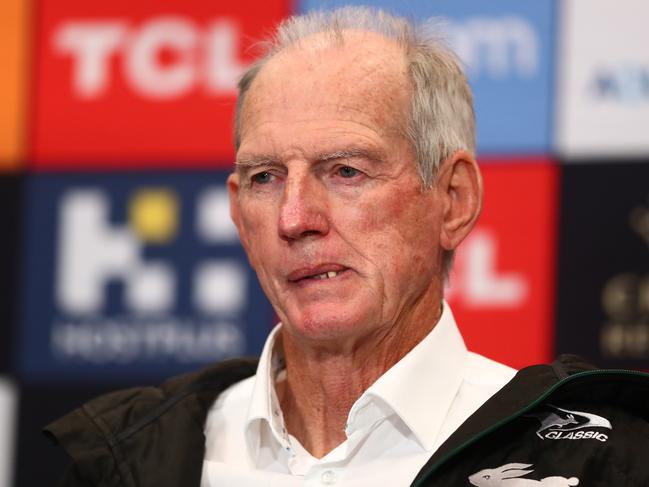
322, 386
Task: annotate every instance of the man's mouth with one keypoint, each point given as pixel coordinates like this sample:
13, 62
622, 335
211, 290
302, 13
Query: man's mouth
321, 272
324, 275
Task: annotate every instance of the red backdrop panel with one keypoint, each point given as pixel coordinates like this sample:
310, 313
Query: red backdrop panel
126, 84
502, 284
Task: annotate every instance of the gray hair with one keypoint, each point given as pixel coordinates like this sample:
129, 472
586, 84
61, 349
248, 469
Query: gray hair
442, 120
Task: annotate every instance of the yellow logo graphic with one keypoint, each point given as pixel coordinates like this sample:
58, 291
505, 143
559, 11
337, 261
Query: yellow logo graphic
154, 214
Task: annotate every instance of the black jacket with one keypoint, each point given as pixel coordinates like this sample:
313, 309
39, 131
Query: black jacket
553, 425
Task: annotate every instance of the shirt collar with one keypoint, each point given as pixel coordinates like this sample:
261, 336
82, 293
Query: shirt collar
264, 410
421, 400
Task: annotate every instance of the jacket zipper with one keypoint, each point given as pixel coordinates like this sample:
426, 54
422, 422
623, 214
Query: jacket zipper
519, 413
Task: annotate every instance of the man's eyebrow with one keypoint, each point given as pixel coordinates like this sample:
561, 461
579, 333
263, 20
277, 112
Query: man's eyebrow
255, 160
246, 162
353, 152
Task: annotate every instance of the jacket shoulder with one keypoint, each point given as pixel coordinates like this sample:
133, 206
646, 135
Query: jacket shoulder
569, 364
566, 418
106, 434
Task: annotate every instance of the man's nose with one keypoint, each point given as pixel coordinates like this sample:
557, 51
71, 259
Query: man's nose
303, 210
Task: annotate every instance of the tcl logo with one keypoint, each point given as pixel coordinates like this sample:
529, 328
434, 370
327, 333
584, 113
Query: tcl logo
141, 85
162, 58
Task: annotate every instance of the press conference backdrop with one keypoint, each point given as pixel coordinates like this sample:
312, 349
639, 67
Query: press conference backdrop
118, 262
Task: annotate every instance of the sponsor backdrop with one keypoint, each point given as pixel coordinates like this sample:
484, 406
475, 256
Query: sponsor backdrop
10, 193
118, 262
507, 49
502, 288
8, 422
127, 84
603, 97
136, 276
603, 298
14, 84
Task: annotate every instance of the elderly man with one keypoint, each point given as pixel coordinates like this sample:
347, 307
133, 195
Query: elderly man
355, 181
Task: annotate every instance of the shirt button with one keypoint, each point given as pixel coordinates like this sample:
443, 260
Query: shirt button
328, 477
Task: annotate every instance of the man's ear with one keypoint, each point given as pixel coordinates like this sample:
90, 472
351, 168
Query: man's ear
459, 183
234, 185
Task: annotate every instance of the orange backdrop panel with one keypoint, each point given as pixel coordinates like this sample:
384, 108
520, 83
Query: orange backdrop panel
14, 36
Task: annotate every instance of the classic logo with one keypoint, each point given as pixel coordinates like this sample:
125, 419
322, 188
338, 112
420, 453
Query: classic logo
563, 424
509, 476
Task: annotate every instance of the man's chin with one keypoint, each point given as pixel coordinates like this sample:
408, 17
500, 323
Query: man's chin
326, 323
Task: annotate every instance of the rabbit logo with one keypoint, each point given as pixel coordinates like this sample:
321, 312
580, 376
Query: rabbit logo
560, 424
510, 476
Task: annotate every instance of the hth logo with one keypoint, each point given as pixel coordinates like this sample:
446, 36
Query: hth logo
476, 279
164, 58
93, 251
498, 47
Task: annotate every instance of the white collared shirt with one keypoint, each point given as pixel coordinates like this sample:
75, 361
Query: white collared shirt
392, 429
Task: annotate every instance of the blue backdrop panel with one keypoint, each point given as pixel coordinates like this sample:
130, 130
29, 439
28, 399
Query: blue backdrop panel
507, 47
133, 277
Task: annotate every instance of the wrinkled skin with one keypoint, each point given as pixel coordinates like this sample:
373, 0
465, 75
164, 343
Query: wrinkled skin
327, 182
366, 215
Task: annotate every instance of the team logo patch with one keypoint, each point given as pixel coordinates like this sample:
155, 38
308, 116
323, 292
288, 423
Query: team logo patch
509, 476
563, 424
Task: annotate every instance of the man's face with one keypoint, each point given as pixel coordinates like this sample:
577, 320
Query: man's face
327, 198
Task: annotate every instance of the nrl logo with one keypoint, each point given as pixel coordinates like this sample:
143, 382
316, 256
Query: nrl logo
563, 424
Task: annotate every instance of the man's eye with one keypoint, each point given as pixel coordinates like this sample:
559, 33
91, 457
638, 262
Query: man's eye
347, 172
262, 177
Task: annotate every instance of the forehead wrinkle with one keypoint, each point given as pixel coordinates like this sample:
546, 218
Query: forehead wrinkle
343, 112
338, 137
377, 122
362, 96
353, 74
